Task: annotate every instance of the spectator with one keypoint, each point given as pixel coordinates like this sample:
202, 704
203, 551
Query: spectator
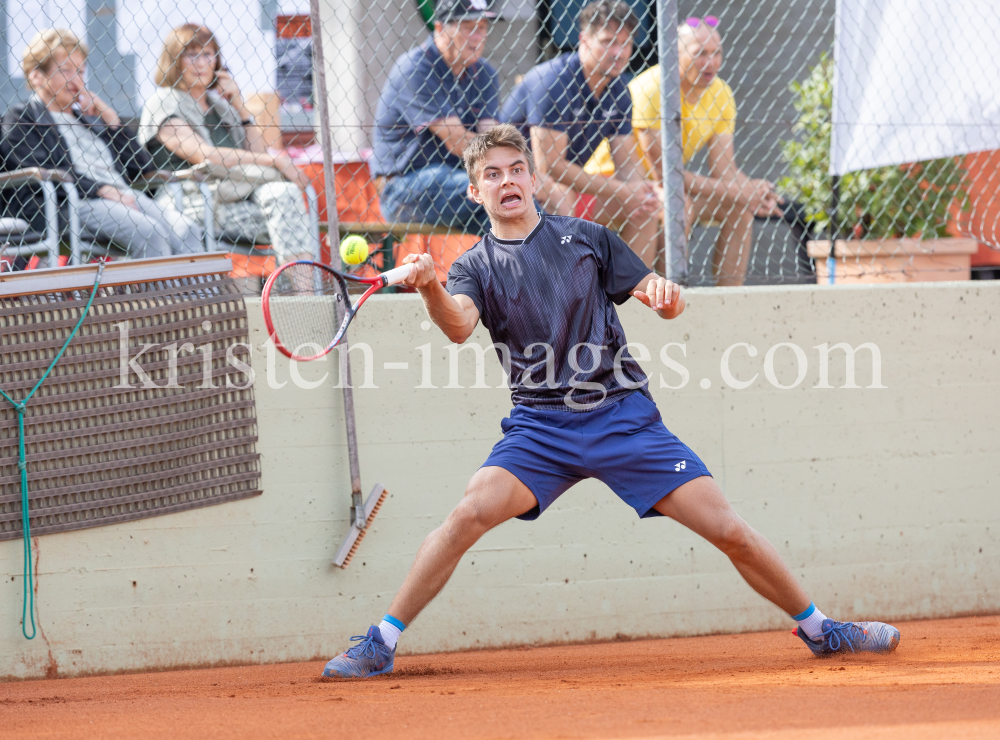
437, 97
198, 115
65, 126
708, 119
573, 103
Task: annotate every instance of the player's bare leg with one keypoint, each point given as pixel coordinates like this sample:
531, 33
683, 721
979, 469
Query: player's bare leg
701, 507
493, 496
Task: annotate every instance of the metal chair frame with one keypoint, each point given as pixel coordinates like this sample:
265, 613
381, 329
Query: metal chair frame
48, 245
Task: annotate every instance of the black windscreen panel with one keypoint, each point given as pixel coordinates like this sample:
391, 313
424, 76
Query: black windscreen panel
151, 408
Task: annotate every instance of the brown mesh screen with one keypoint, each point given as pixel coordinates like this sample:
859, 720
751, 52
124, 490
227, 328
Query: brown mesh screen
98, 452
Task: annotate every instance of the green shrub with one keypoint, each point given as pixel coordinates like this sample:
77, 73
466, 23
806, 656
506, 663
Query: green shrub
908, 200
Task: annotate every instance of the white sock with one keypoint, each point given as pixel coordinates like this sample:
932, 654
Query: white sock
391, 628
811, 622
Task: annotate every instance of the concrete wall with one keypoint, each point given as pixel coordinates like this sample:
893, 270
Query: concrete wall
884, 501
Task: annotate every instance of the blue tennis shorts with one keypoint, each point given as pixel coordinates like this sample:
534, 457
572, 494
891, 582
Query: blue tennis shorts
624, 444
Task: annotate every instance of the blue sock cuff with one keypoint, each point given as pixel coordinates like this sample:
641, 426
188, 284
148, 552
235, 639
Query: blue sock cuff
400, 626
806, 613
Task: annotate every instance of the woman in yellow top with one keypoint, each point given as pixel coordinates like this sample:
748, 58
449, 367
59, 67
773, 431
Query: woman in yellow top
726, 196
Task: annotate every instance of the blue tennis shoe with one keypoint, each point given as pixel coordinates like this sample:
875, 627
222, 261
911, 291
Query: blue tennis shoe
370, 657
854, 637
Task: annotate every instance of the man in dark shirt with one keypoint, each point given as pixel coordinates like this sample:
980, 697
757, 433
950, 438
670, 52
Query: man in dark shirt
436, 98
546, 288
571, 104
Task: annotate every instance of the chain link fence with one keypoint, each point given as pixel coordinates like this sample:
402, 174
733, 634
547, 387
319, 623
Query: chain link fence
135, 128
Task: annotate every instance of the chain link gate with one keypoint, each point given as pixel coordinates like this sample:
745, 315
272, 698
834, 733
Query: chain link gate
221, 148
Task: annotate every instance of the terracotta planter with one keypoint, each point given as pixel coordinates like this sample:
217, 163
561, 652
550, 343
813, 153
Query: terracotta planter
895, 260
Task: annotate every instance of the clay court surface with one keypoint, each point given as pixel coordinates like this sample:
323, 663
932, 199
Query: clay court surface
943, 682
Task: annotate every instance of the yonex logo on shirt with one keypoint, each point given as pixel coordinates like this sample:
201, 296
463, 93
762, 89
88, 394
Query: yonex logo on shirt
565, 239
680, 466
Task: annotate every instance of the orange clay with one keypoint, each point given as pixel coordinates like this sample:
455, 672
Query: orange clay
942, 682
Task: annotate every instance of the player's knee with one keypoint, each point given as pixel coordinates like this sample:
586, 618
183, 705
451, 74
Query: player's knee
733, 536
468, 519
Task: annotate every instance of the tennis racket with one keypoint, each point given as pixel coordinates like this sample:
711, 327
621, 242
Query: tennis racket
307, 308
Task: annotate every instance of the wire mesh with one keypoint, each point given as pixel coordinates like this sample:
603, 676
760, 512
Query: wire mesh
135, 420
219, 148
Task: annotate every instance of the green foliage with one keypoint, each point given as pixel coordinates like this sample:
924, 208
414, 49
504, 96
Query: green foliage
908, 200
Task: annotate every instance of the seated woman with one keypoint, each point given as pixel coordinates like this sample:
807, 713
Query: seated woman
65, 126
198, 115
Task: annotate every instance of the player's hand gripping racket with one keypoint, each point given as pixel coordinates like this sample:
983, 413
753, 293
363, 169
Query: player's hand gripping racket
307, 308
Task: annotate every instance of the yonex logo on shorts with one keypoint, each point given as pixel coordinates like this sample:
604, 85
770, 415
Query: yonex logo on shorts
680, 466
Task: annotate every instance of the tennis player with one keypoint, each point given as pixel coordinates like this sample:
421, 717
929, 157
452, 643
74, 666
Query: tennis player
546, 287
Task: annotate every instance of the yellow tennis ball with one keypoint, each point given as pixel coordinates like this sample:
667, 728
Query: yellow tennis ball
354, 249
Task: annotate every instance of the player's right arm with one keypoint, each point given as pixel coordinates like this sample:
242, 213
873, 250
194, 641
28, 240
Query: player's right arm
456, 315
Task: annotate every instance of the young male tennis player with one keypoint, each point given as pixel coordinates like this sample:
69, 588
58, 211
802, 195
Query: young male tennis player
546, 287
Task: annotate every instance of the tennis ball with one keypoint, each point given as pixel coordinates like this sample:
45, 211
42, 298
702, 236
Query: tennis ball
354, 249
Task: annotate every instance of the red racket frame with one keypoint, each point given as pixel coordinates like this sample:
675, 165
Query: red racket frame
390, 277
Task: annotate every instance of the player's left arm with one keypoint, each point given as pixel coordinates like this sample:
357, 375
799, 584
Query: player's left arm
661, 295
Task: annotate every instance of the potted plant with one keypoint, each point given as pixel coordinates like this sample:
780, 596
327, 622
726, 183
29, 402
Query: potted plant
895, 219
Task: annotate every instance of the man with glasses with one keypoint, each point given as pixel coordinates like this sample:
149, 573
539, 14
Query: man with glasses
571, 104
437, 97
725, 196
65, 126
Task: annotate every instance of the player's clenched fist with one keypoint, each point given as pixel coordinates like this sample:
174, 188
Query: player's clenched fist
423, 273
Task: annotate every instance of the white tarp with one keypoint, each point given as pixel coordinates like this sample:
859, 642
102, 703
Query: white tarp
915, 79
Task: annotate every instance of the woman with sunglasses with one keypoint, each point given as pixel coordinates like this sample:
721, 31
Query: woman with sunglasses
197, 115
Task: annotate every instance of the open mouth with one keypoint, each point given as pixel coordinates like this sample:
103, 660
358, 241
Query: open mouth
511, 199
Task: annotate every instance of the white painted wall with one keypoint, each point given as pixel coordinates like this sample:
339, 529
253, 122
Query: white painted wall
884, 501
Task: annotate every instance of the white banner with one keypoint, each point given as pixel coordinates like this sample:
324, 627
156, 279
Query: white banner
915, 80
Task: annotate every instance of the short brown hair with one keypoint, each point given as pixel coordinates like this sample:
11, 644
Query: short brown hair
38, 53
602, 14
168, 68
502, 135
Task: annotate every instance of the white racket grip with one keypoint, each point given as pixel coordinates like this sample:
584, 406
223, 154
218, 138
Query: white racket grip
397, 274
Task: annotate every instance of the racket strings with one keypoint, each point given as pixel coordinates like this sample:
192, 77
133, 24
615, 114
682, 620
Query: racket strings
307, 306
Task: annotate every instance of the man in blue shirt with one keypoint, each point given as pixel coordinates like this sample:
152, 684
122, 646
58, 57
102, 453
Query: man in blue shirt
572, 103
546, 288
436, 98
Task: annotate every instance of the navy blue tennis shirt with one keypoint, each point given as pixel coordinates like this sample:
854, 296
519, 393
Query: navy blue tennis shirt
421, 89
557, 288
555, 95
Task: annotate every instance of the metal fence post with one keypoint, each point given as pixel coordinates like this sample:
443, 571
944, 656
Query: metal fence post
675, 254
333, 237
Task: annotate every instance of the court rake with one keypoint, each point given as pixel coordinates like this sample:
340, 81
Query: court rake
362, 512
